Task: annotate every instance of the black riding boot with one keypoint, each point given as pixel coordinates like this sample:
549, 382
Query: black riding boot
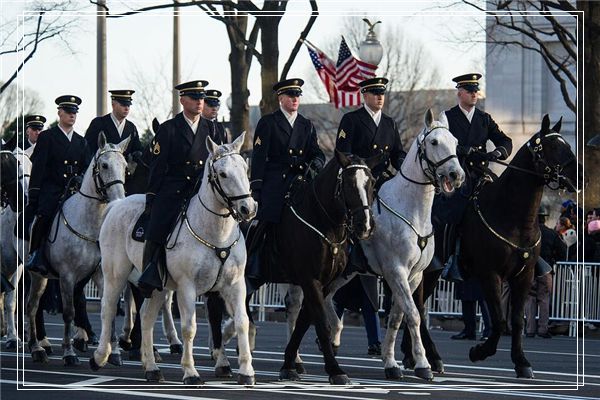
34, 262
451, 271
542, 267
5, 285
151, 278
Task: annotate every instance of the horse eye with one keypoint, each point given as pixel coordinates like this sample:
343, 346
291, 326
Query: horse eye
434, 142
104, 165
222, 174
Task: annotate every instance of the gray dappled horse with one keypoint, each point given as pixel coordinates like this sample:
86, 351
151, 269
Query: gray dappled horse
206, 253
72, 246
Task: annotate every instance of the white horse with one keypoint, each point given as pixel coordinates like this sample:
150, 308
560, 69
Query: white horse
9, 257
207, 253
72, 247
402, 245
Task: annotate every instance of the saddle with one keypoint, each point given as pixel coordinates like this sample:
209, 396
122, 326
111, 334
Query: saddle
139, 229
263, 256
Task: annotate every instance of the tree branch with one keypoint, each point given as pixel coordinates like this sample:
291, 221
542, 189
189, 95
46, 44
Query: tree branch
303, 35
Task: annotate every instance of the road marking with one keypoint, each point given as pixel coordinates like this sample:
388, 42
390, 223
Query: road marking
93, 381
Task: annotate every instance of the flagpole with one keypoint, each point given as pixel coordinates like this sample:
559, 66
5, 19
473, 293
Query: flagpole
309, 44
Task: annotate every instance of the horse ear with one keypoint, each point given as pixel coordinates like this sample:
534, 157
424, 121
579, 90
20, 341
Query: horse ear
210, 145
124, 143
556, 128
342, 158
444, 120
101, 140
155, 125
428, 118
11, 144
545, 125
239, 142
372, 162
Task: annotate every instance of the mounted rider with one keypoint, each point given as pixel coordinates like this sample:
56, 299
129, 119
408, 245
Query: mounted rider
175, 175
285, 151
60, 158
473, 128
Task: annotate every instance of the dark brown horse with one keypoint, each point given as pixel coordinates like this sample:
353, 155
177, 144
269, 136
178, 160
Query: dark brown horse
501, 239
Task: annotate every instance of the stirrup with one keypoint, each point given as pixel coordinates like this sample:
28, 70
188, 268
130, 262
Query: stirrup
451, 272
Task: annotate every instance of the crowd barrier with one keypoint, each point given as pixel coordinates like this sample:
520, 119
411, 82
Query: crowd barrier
575, 296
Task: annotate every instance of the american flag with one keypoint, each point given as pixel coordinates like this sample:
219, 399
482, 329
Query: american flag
326, 71
349, 70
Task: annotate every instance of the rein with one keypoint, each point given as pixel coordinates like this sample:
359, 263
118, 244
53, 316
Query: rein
100, 186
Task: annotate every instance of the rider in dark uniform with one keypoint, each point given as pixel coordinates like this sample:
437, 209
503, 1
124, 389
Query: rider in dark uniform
210, 112
473, 128
34, 124
175, 174
115, 125
60, 155
368, 132
285, 147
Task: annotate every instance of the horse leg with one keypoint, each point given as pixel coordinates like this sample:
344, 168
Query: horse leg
12, 338
175, 346
215, 307
404, 305
235, 300
128, 321
492, 288
67, 292
289, 371
186, 298
38, 285
115, 280
519, 290
293, 303
315, 304
149, 313
336, 323
81, 320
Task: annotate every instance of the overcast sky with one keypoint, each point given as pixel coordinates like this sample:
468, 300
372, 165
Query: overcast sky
140, 47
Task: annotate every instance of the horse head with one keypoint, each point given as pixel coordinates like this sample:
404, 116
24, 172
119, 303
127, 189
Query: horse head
10, 187
227, 173
436, 151
106, 174
355, 190
554, 158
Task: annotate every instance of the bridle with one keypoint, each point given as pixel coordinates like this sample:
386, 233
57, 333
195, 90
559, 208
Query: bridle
215, 184
551, 174
430, 170
99, 184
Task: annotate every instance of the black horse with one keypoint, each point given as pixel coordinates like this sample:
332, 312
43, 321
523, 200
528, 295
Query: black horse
311, 247
503, 216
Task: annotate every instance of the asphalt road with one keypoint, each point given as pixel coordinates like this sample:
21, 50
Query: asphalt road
559, 371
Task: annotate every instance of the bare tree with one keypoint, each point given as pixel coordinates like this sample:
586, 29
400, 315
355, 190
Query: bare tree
15, 103
42, 22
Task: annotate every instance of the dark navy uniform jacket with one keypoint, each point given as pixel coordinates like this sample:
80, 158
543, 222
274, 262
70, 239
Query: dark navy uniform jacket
450, 210
106, 124
359, 135
280, 154
177, 167
55, 160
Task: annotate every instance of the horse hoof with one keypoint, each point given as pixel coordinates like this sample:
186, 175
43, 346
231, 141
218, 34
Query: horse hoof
340, 380
475, 354
335, 350
39, 356
135, 355
48, 350
393, 373
424, 373
524, 372
437, 366
155, 376
246, 380
124, 344
288, 375
93, 364
11, 345
71, 361
80, 345
176, 348
300, 368
115, 359
223, 372
408, 363
193, 381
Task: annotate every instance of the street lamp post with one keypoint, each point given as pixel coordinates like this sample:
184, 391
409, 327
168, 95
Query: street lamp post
370, 49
